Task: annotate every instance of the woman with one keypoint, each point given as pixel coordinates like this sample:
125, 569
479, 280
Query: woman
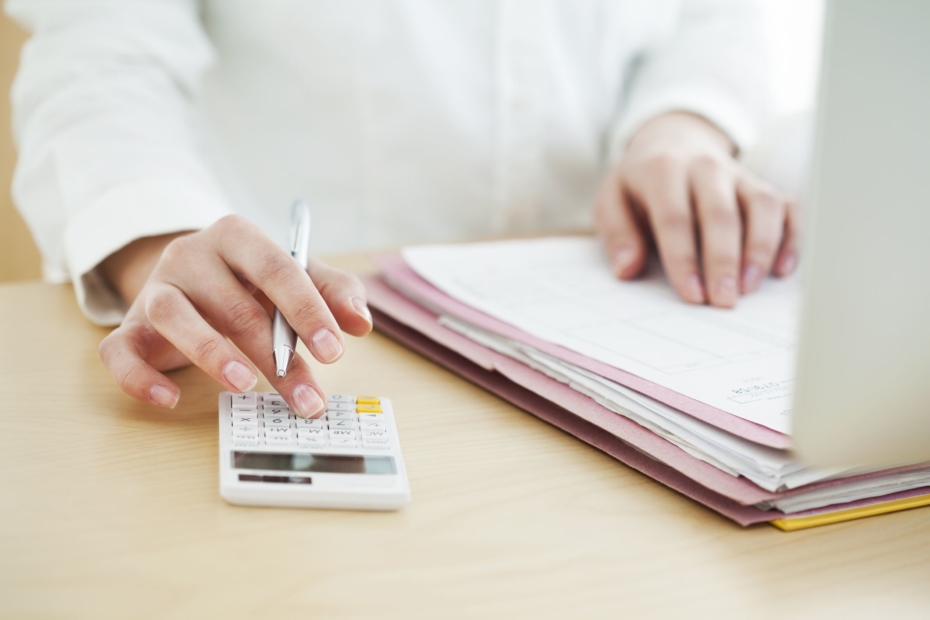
143, 127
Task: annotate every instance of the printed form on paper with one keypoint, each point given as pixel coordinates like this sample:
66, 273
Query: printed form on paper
563, 290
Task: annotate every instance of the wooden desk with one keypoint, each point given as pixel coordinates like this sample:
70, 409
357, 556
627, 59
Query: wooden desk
110, 508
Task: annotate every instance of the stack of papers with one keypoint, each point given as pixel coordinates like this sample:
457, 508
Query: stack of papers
703, 393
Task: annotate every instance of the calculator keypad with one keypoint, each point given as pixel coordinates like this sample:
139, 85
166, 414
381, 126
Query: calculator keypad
349, 422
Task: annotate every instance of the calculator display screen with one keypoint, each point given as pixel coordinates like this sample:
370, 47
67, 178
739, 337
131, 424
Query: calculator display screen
320, 463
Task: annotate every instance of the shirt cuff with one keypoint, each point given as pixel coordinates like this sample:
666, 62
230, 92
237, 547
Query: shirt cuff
733, 119
121, 216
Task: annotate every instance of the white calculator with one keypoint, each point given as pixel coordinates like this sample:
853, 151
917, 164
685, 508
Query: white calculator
349, 458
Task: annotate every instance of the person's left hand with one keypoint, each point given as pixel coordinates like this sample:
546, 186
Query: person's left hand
718, 228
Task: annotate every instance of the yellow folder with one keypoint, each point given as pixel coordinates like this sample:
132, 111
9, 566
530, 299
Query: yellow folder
788, 524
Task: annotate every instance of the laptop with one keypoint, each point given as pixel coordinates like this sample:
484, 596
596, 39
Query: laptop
863, 378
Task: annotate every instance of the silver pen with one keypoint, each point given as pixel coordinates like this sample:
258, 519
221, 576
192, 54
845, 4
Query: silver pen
284, 339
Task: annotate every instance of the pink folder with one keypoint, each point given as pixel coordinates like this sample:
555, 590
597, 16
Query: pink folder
578, 415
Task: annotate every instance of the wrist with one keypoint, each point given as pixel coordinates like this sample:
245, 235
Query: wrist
127, 269
681, 126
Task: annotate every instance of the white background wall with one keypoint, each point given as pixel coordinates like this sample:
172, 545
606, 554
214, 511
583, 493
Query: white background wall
794, 28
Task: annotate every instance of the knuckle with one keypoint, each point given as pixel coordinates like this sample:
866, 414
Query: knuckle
722, 261
127, 377
205, 348
160, 306
176, 251
231, 223
680, 258
708, 161
720, 217
245, 318
275, 266
761, 249
106, 348
308, 312
673, 221
766, 200
339, 282
666, 162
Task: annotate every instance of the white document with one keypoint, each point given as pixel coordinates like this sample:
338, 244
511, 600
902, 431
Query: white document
563, 291
771, 469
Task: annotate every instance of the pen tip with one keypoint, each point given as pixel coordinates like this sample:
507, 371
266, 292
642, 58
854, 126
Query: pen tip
282, 359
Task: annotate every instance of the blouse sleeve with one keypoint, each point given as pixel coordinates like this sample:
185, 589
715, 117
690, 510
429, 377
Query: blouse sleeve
714, 64
104, 123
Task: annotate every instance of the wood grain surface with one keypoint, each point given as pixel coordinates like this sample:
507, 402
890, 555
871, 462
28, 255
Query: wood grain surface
110, 509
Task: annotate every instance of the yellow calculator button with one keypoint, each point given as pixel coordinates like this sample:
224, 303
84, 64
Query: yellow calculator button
368, 400
368, 408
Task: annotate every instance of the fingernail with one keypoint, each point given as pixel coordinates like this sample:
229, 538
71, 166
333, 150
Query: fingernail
693, 289
362, 309
788, 263
752, 276
239, 376
307, 401
326, 346
163, 397
623, 258
725, 291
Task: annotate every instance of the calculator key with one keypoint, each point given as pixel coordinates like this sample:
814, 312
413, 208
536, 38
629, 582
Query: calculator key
240, 419
303, 423
342, 434
370, 417
245, 432
340, 407
240, 401
275, 403
277, 411
308, 442
368, 408
277, 431
346, 424
341, 398
312, 432
278, 422
343, 443
369, 435
246, 442
374, 445
341, 415
280, 441
367, 400
376, 425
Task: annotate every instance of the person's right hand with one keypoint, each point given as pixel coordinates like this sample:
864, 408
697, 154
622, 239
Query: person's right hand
218, 283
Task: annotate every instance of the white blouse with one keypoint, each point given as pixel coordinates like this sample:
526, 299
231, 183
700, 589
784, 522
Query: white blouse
398, 120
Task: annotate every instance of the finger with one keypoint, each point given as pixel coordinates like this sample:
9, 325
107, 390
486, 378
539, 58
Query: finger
663, 193
172, 314
787, 259
249, 252
122, 355
714, 189
619, 230
345, 296
764, 212
241, 317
